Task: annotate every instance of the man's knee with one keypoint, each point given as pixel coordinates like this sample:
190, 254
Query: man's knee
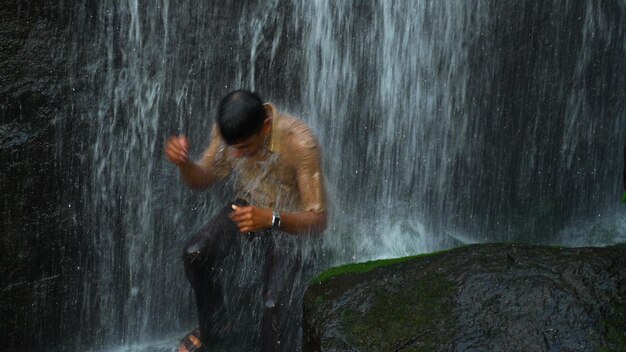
194, 252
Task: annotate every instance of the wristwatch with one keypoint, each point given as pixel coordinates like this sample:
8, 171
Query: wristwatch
275, 220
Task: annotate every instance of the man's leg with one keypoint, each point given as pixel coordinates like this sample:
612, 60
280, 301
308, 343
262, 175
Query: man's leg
203, 258
280, 323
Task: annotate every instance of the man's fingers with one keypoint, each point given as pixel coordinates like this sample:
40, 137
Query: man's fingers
182, 140
241, 210
239, 218
244, 227
178, 144
176, 156
183, 144
177, 149
171, 155
243, 216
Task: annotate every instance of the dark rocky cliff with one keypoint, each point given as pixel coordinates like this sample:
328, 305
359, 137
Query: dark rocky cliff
474, 298
40, 277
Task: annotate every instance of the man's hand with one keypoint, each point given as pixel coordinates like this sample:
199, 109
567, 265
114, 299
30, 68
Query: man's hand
177, 150
250, 218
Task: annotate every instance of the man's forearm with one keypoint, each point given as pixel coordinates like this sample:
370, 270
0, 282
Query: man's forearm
304, 222
195, 176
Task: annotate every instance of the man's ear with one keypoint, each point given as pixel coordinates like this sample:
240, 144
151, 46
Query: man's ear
267, 124
269, 114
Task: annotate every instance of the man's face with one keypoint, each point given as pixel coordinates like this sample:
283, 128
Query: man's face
254, 144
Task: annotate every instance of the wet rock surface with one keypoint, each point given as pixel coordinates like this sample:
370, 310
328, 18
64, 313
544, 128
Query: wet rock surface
39, 281
491, 297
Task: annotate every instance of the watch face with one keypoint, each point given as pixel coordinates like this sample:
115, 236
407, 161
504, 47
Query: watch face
275, 220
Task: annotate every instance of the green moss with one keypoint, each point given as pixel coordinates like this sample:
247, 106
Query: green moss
365, 266
371, 265
615, 326
418, 320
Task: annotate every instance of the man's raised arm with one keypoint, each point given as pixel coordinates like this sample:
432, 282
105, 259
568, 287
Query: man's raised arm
195, 175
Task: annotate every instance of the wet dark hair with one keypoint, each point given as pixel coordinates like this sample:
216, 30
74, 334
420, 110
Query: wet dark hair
240, 115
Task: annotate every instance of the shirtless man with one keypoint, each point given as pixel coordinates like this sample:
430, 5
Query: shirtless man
274, 161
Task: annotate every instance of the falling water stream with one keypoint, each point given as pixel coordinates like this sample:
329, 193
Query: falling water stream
441, 123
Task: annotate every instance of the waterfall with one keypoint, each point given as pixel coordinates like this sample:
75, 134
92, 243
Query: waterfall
441, 122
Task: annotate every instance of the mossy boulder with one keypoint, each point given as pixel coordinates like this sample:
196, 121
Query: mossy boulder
488, 297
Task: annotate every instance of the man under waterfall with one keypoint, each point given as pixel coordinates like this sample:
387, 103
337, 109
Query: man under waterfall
273, 161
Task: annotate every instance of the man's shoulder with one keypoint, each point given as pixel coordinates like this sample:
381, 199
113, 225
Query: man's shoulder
294, 133
291, 134
290, 124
